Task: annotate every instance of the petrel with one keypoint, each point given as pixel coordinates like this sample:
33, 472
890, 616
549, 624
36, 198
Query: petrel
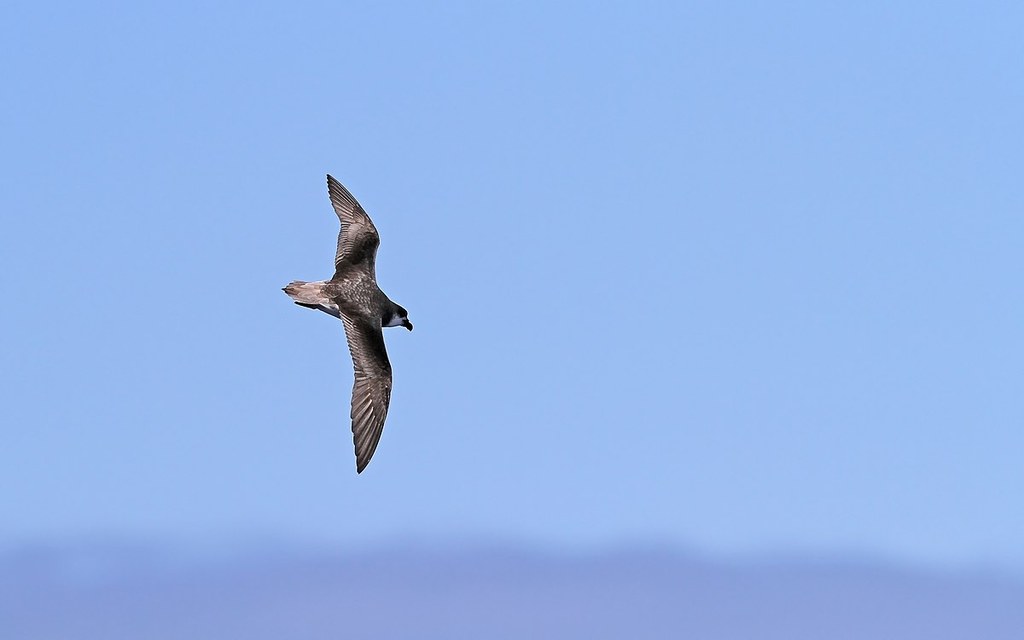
353, 296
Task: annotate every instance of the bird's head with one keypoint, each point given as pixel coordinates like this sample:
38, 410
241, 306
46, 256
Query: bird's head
399, 318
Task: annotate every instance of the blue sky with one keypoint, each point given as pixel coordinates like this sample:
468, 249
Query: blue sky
736, 277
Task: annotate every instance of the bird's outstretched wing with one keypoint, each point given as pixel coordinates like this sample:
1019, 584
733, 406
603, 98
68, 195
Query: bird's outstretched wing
371, 392
358, 239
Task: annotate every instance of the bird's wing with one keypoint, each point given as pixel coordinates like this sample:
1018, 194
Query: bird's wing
371, 392
358, 239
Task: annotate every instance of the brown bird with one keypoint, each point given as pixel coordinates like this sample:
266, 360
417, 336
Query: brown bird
353, 296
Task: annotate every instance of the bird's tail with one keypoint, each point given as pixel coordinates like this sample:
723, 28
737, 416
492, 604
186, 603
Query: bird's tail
310, 295
304, 292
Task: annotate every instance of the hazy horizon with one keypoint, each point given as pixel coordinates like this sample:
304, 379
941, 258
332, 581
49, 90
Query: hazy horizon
495, 591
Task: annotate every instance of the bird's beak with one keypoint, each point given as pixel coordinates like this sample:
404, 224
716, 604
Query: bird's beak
407, 324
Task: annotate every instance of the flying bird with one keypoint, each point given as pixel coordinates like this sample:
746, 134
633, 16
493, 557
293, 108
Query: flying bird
352, 295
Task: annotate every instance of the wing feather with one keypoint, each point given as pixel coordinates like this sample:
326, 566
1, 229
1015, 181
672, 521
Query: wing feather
358, 238
371, 390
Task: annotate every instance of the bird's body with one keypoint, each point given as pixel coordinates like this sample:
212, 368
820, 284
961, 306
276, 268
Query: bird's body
353, 296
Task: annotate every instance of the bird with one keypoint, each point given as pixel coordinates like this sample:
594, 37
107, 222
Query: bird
353, 296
